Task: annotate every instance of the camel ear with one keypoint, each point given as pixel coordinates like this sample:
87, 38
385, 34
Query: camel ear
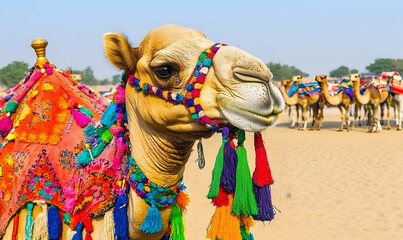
119, 52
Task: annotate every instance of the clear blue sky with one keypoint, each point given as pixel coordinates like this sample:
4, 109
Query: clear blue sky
314, 36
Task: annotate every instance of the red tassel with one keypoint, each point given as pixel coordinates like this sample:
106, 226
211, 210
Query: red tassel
81, 119
6, 124
262, 174
88, 228
15, 227
221, 199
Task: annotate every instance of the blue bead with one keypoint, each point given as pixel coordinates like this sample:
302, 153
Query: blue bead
207, 62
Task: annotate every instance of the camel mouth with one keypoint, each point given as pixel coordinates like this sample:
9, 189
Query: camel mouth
248, 119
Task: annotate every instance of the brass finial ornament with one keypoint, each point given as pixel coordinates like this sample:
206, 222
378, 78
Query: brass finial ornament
39, 45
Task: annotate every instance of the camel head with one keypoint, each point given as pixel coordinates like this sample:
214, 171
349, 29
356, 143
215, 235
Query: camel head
237, 89
286, 82
297, 78
355, 77
321, 78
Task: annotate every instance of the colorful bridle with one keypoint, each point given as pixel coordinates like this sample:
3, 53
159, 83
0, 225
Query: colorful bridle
191, 99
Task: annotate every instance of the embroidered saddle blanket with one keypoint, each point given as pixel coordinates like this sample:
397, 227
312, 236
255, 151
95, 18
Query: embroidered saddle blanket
308, 89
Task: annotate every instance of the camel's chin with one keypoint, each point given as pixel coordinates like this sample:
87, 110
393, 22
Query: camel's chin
246, 119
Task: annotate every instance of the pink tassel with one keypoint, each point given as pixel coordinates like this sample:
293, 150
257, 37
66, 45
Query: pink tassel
6, 124
120, 95
81, 119
119, 152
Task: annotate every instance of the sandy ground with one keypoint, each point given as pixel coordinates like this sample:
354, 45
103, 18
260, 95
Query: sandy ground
328, 184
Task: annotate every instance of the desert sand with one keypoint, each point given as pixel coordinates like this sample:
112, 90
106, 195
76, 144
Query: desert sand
328, 184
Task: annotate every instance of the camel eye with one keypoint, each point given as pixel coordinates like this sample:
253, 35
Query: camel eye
164, 71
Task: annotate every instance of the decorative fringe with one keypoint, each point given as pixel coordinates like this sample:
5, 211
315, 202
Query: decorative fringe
109, 226
6, 124
96, 151
263, 199
262, 174
84, 158
217, 171
54, 223
152, 223
182, 199
228, 175
224, 225
88, 228
177, 224
120, 218
29, 222
221, 199
79, 232
247, 221
244, 199
81, 119
15, 226
40, 230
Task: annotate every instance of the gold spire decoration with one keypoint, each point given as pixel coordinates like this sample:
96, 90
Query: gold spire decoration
39, 45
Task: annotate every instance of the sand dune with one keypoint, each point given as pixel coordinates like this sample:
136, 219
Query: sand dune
328, 184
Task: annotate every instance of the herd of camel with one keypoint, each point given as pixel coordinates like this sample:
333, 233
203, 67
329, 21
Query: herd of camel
373, 100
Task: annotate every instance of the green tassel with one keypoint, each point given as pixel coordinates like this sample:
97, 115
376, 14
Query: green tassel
216, 175
96, 151
244, 199
11, 107
99, 131
86, 111
177, 225
29, 222
107, 136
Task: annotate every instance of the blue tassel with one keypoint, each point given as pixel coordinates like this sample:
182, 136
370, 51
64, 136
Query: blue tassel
251, 237
120, 218
228, 175
110, 116
83, 158
152, 223
88, 131
54, 223
29, 222
264, 203
79, 232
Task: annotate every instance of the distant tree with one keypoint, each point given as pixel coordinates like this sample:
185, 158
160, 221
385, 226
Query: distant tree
116, 79
381, 65
281, 72
87, 76
398, 65
11, 74
340, 72
354, 71
104, 82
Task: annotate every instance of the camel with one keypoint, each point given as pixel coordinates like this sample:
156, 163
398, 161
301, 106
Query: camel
373, 98
237, 91
396, 99
341, 100
293, 107
315, 101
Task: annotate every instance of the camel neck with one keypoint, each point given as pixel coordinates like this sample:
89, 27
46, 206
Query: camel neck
161, 156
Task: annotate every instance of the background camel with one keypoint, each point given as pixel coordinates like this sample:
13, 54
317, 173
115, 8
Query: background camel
396, 97
341, 100
237, 90
373, 98
310, 100
291, 102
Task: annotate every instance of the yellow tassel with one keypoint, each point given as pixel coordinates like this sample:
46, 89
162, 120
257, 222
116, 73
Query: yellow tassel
247, 221
224, 225
109, 226
182, 200
40, 229
24, 113
70, 234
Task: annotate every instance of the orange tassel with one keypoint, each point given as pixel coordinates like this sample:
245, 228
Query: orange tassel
224, 225
247, 221
182, 200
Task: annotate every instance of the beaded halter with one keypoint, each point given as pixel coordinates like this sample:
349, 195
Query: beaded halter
191, 99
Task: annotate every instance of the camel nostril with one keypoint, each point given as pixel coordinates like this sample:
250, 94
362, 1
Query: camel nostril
247, 75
